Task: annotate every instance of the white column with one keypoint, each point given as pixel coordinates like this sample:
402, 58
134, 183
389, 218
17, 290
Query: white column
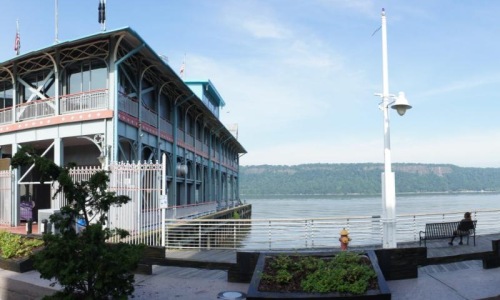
58, 160
58, 152
15, 204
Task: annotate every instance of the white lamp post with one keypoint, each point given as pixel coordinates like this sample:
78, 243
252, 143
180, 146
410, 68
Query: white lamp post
388, 184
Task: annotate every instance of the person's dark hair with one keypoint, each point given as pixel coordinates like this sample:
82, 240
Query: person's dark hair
467, 215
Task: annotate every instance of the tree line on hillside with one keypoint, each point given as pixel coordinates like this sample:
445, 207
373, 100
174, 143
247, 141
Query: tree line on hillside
364, 179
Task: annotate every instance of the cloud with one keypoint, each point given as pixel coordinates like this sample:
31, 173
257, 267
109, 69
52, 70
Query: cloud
468, 149
260, 28
466, 84
331, 149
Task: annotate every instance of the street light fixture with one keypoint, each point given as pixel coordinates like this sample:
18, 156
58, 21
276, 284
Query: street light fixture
399, 103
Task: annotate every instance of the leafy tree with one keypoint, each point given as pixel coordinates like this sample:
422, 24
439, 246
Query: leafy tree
83, 263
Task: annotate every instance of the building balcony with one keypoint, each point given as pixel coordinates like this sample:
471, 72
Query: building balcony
73, 103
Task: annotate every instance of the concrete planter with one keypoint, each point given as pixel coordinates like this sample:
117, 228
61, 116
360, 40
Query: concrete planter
19, 265
382, 292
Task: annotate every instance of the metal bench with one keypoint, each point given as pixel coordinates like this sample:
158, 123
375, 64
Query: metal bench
434, 231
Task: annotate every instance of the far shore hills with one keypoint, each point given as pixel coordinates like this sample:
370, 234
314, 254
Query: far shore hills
364, 179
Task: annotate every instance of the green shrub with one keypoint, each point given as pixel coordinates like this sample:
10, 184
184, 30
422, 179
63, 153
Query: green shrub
346, 272
83, 263
14, 245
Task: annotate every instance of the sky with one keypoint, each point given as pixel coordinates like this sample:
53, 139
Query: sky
299, 76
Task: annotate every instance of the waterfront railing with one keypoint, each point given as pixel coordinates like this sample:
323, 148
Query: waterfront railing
275, 234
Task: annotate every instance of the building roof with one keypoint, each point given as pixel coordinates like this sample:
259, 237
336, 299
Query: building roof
101, 44
210, 88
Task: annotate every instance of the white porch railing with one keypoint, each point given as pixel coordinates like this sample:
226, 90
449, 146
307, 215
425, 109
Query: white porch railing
307, 233
35, 109
6, 116
86, 101
92, 100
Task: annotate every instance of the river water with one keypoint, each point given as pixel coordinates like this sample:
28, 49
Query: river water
291, 207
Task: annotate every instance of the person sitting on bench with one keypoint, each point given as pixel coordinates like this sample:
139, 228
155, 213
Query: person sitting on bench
463, 228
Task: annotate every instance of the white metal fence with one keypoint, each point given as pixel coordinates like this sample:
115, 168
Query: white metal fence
141, 182
6, 198
307, 233
78, 174
141, 216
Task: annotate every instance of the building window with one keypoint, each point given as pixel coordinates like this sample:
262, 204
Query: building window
87, 77
6, 94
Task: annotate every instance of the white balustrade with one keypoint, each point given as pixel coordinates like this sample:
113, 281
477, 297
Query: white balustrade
92, 100
35, 109
6, 116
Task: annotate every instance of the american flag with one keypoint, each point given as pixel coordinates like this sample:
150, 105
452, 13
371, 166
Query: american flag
183, 66
17, 43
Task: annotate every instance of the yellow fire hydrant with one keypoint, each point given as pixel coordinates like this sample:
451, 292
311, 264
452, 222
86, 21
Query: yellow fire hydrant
344, 239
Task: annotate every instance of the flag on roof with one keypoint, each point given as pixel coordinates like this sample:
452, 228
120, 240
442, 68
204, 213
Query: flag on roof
102, 11
183, 67
17, 41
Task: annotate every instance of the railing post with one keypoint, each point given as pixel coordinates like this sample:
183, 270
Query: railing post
306, 231
199, 235
167, 240
234, 233
414, 228
312, 234
269, 228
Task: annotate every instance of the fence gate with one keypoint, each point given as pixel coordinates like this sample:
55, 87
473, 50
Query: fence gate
141, 217
141, 182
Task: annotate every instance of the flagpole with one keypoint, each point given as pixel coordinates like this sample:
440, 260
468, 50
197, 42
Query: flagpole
56, 21
183, 67
104, 15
